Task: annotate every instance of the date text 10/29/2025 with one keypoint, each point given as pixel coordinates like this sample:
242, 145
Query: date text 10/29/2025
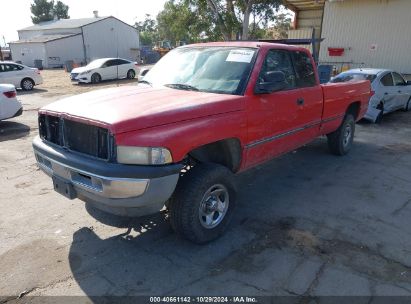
205, 299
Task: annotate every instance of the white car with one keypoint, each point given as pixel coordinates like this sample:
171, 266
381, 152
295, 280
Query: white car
105, 69
19, 75
9, 105
391, 91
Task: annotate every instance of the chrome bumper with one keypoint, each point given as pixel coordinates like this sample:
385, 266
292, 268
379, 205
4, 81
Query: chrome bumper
115, 188
99, 185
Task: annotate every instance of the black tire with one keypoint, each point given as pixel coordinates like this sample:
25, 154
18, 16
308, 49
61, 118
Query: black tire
131, 74
192, 199
407, 106
379, 118
27, 84
340, 141
95, 78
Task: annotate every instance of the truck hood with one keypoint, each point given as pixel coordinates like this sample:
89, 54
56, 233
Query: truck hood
129, 108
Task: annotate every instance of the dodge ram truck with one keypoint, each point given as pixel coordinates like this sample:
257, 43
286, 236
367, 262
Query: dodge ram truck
203, 113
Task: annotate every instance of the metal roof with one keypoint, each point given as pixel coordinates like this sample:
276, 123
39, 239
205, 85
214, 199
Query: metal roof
302, 5
62, 24
44, 38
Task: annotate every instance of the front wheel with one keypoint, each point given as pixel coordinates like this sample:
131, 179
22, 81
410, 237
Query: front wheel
202, 205
408, 105
95, 78
340, 141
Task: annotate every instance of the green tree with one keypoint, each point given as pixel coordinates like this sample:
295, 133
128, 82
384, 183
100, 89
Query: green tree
229, 13
60, 10
187, 20
148, 30
43, 10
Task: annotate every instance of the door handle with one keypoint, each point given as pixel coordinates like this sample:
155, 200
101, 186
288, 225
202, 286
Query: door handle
385, 93
300, 101
399, 92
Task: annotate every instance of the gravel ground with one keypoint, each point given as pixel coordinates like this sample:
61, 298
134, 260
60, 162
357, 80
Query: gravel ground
308, 223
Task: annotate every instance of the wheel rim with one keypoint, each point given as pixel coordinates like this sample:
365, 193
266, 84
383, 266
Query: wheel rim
131, 74
347, 135
214, 206
95, 78
27, 84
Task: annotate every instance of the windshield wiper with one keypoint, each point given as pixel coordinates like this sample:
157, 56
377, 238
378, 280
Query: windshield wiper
181, 86
145, 81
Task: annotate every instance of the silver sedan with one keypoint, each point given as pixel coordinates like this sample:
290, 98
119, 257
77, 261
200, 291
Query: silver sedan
391, 92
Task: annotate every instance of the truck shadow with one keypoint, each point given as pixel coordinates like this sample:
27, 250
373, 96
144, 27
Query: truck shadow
10, 130
147, 258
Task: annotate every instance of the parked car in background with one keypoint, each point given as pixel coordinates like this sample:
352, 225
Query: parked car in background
9, 105
105, 69
391, 91
19, 75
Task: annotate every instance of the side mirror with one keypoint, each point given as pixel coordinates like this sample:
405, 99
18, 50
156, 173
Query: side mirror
273, 81
408, 82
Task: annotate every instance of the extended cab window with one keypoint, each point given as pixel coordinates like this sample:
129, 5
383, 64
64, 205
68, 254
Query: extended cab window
279, 60
386, 81
398, 80
304, 70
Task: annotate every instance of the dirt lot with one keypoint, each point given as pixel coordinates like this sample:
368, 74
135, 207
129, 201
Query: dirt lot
308, 223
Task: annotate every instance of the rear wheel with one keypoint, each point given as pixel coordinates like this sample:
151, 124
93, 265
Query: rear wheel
27, 84
340, 141
95, 78
131, 74
202, 205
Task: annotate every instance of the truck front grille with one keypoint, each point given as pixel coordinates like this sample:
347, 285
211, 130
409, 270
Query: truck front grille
75, 136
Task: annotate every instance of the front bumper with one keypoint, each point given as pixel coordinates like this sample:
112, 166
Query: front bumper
116, 188
372, 114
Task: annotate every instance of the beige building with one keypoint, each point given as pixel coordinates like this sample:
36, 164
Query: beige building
371, 33
355, 33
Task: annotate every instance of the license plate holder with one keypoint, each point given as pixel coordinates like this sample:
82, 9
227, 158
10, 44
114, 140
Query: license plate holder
64, 188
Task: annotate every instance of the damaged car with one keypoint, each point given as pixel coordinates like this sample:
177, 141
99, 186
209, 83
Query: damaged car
391, 92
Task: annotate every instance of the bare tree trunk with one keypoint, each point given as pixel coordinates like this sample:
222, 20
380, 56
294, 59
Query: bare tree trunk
246, 20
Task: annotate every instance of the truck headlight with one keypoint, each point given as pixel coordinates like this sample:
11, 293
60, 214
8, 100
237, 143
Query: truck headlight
143, 155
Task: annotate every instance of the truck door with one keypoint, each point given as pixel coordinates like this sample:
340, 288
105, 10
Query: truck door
309, 97
294, 112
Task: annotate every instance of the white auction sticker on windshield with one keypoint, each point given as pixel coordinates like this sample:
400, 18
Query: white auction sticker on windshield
240, 56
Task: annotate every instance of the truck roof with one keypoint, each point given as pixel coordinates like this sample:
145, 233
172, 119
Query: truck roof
250, 44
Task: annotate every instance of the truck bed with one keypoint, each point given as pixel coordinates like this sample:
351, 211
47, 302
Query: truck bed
338, 97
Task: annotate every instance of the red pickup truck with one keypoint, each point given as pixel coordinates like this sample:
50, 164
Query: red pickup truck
201, 114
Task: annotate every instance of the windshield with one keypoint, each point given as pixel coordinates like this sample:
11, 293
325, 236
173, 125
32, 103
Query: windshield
208, 69
96, 63
344, 77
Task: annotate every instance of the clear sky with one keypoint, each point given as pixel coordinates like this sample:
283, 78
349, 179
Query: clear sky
15, 14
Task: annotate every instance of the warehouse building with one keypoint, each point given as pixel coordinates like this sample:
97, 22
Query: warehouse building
356, 33
53, 43
369, 33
